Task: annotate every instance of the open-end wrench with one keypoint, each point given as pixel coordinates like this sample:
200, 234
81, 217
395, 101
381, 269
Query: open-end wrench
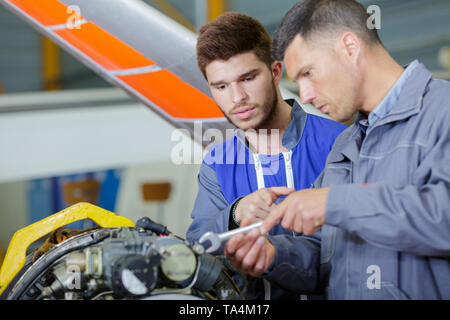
217, 239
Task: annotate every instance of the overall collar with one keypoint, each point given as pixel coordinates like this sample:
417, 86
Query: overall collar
409, 102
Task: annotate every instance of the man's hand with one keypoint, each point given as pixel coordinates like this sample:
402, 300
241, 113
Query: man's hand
302, 211
257, 205
252, 252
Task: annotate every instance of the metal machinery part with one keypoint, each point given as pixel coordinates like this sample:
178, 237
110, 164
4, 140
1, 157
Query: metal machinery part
126, 263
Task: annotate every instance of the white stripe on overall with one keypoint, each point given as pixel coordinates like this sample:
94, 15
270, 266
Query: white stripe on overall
261, 185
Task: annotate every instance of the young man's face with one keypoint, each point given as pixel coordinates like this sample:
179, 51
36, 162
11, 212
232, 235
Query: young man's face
244, 88
325, 77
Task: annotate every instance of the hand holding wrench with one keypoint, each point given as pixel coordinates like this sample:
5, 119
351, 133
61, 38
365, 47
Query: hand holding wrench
217, 239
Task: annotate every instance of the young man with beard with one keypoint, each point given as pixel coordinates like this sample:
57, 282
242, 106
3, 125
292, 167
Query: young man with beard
381, 207
277, 147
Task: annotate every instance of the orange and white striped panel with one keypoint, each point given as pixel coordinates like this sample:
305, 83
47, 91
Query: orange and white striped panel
46, 12
118, 62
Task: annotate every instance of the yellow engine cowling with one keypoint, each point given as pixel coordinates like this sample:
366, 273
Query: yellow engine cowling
16, 254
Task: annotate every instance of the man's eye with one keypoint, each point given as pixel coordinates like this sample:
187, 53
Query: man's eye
249, 78
307, 73
221, 87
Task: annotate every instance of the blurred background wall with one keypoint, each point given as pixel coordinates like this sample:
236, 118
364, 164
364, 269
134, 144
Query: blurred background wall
67, 136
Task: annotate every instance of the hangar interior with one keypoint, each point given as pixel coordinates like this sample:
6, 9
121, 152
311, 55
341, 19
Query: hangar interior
67, 135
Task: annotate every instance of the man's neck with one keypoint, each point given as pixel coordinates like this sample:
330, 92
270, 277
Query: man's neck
381, 74
268, 140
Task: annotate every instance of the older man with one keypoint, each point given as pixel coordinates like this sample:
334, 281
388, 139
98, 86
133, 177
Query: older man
381, 207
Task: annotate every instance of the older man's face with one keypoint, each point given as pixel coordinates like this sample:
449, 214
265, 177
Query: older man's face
324, 77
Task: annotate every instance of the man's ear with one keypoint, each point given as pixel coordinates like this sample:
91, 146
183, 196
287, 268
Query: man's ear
351, 45
277, 72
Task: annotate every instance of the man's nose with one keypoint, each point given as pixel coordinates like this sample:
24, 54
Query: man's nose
238, 94
307, 94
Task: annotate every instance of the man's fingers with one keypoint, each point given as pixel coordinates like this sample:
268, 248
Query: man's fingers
288, 220
298, 224
260, 216
246, 222
251, 258
233, 244
265, 204
267, 197
274, 217
259, 266
246, 244
313, 226
270, 195
281, 191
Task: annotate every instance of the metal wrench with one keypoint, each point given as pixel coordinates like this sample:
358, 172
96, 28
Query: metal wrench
217, 239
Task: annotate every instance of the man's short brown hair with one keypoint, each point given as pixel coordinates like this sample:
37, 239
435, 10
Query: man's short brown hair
308, 18
230, 34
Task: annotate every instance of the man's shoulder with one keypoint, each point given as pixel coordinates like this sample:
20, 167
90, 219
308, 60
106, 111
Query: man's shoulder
438, 94
434, 107
433, 118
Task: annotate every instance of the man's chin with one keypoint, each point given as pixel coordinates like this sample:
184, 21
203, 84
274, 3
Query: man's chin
245, 127
340, 117
243, 124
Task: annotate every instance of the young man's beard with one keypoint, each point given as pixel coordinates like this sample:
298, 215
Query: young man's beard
269, 108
